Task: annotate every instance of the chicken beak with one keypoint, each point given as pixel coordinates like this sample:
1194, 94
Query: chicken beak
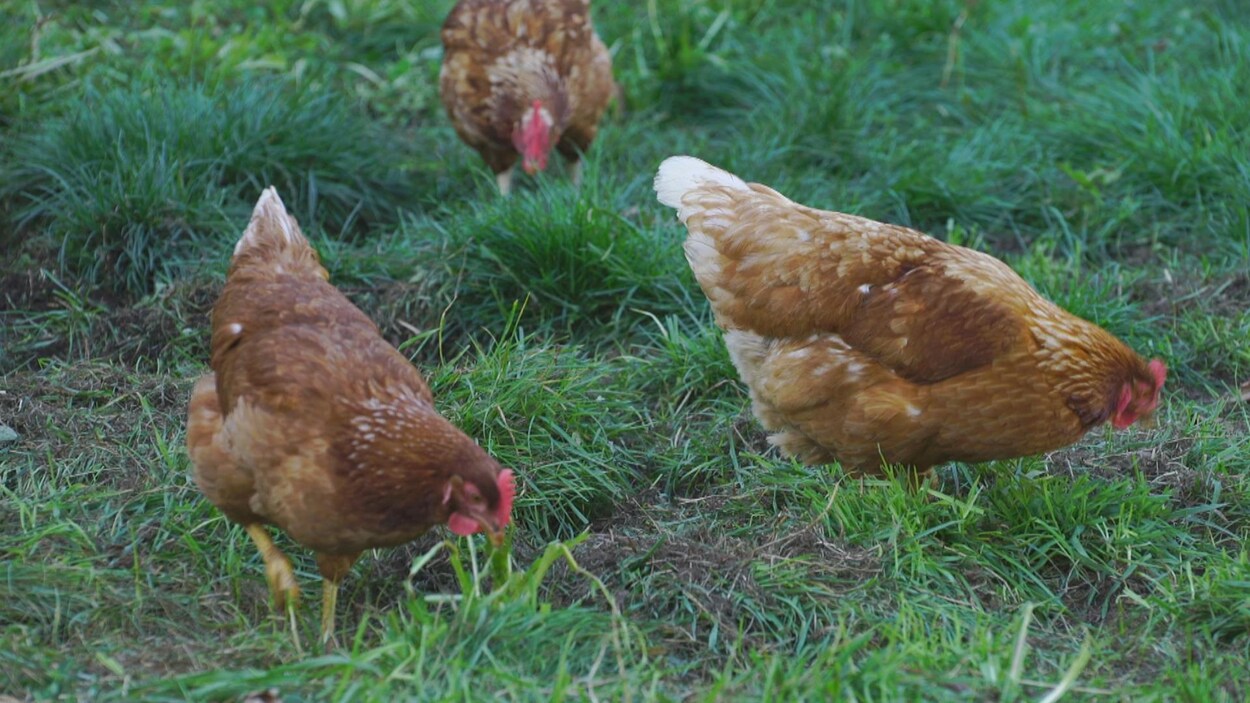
1148, 422
494, 534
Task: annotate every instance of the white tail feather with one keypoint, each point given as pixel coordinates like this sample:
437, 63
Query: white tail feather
269, 211
679, 175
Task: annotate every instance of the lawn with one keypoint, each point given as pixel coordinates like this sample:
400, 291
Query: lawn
662, 551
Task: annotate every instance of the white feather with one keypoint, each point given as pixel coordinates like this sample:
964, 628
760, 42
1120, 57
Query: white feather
703, 257
679, 175
747, 351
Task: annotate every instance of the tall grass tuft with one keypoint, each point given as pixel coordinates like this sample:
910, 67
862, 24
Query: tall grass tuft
571, 261
127, 178
522, 403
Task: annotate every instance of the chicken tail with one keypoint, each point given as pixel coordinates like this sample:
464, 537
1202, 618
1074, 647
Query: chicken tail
704, 197
749, 247
273, 239
679, 175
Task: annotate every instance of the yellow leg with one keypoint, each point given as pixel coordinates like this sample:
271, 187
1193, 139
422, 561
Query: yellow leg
329, 601
278, 571
334, 568
279, 574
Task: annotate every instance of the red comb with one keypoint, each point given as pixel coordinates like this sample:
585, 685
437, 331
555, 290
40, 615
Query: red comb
507, 490
1159, 370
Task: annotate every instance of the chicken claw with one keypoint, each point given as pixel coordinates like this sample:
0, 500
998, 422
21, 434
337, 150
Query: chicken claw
278, 570
280, 575
334, 568
329, 601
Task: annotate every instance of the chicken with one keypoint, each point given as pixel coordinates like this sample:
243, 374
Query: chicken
521, 76
865, 343
311, 422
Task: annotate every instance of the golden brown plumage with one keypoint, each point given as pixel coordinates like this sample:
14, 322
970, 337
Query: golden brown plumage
522, 76
311, 422
862, 341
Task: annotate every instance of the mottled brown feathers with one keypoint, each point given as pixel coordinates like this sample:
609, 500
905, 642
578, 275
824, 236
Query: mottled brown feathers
501, 55
862, 341
311, 421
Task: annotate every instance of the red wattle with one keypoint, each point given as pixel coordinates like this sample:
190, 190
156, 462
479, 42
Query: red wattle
462, 525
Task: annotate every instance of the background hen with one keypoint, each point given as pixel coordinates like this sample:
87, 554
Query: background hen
312, 422
864, 342
521, 76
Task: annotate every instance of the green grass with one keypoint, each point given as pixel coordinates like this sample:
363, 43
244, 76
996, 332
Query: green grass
662, 551
129, 179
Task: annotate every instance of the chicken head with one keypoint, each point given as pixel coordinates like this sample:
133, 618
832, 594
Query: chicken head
480, 506
1139, 397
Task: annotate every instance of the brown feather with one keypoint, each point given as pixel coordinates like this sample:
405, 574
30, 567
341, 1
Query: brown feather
862, 341
311, 421
501, 55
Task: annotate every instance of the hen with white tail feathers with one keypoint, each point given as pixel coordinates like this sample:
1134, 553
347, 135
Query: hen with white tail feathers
868, 343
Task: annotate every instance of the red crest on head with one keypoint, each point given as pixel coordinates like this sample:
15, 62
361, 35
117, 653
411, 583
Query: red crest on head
507, 491
1159, 371
463, 524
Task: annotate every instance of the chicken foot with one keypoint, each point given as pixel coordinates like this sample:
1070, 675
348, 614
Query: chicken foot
279, 574
504, 180
334, 568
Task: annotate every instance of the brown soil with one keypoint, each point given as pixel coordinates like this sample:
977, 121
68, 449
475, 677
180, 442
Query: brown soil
27, 289
1223, 296
1162, 464
129, 334
63, 412
662, 556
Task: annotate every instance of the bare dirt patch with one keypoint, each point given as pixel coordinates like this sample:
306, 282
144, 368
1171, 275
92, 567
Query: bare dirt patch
1162, 464
1172, 466
676, 559
662, 560
56, 324
1223, 296
27, 289
86, 412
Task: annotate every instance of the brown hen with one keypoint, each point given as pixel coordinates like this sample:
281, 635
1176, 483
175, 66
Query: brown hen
865, 343
522, 76
311, 422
